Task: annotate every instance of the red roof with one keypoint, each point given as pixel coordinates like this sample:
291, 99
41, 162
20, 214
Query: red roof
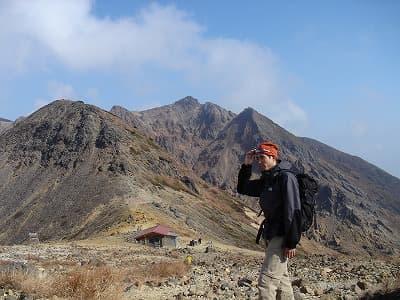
156, 230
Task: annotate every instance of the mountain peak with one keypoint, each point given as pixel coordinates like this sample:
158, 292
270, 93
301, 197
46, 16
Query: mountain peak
188, 101
249, 111
118, 107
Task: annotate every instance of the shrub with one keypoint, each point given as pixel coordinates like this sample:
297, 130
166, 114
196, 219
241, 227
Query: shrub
87, 282
167, 269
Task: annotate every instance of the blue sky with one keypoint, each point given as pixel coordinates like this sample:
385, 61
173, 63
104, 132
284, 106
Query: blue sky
329, 70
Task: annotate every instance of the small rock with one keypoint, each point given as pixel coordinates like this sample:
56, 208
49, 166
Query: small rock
307, 290
297, 282
185, 280
325, 271
244, 282
225, 286
362, 285
318, 292
180, 296
355, 288
192, 291
299, 296
328, 297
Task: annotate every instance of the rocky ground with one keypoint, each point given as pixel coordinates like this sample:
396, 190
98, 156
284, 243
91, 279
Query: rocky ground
112, 269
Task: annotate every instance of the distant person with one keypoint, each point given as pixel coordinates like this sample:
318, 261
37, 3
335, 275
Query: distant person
279, 199
189, 259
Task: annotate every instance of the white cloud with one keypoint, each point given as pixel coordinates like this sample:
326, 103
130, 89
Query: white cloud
56, 90
359, 129
241, 73
59, 90
38, 103
67, 30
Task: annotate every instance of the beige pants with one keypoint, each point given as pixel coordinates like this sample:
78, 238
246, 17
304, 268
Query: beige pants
274, 277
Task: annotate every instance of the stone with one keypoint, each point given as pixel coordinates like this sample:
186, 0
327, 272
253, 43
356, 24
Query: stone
244, 282
297, 282
355, 288
192, 290
307, 290
299, 296
328, 297
185, 280
325, 271
180, 296
362, 285
225, 286
318, 292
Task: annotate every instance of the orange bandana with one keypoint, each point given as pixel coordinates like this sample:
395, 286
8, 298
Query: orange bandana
269, 149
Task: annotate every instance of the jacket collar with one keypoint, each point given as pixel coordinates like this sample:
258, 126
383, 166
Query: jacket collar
281, 165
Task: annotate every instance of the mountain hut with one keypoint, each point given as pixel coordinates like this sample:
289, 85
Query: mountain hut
158, 236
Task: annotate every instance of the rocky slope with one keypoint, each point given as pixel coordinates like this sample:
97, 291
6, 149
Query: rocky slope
70, 170
132, 271
5, 124
357, 201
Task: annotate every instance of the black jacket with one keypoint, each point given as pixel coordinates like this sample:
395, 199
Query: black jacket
279, 200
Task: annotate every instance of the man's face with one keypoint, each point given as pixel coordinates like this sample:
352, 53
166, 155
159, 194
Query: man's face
265, 162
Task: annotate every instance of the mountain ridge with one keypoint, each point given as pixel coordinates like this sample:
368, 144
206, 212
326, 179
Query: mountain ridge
72, 170
355, 198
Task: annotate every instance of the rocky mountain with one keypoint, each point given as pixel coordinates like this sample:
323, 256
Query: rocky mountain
358, 203
184, 128
71, 170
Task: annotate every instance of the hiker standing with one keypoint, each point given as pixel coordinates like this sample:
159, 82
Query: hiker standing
279, 199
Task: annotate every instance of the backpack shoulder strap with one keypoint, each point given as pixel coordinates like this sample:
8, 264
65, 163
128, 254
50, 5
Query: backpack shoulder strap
261, 230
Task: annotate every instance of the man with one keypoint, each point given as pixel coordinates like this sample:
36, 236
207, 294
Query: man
280, 202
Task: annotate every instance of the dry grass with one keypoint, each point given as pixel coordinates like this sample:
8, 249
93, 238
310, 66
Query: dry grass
7, 278
32, 257
89, 283
79, 283
56, 262
4, 262
168, 269
19, 280
156, 272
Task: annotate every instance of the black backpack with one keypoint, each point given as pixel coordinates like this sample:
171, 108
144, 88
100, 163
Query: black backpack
308, 187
